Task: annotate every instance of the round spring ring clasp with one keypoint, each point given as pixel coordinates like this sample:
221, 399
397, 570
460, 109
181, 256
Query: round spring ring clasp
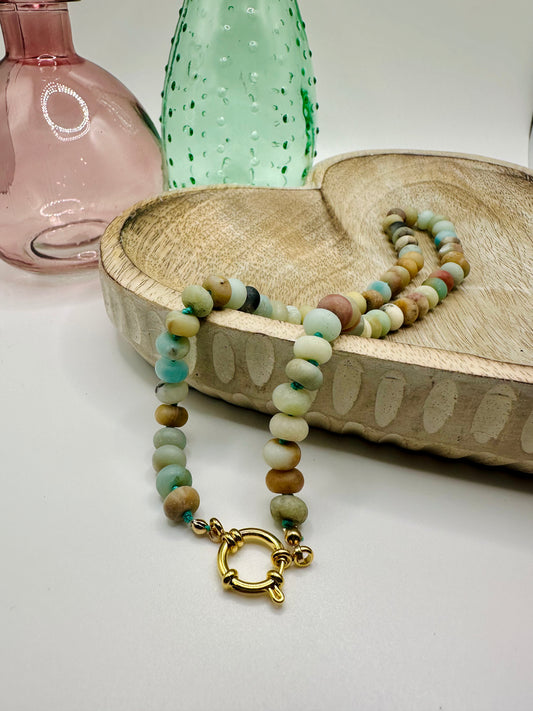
271, 585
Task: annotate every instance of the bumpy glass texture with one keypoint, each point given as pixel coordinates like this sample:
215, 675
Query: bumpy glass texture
239, 97
76, 147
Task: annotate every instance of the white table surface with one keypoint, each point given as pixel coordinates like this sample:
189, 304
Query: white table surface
421, 594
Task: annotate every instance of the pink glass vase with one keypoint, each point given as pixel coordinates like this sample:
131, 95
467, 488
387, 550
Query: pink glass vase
76, 147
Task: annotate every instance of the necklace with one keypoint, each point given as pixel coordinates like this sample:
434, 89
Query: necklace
372, 313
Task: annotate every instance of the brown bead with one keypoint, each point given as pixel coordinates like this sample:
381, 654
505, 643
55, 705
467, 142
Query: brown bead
285, 482
397, 211
171, 415
421, 301
220, 290
339, 305
410, 265
394, 280
458, 258
374, 300
416, 257
445, 276
410, 310
180, 500
404, 274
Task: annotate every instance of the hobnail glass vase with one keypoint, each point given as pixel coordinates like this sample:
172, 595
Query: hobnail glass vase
76, 147
239, 96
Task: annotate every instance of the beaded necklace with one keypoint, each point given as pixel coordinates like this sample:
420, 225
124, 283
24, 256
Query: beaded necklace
372, 313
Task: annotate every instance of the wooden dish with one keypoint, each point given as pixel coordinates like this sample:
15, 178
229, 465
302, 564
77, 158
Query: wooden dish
458, 383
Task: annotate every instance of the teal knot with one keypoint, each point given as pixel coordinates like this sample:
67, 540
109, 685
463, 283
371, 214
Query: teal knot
296, 386
320, 335
188, 310
287, 523
313, 362
283, 441
188, 517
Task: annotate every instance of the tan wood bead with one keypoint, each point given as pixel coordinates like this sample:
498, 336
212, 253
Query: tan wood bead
180, 500
220, 290
410, 265
410, 310
374, 300
171, 415
285, 482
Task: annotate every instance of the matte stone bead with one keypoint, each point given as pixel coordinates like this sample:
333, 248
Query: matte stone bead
171, 415
290, 401
170, 435
171, 393
238, 294
374, 300
171, 476
440, 225
322, 321
172, 347
358, 330
367, 328
180, 500
265, 307
423, 219
340, 306
171, 371
409, 310
411, 216
198, 299
395, 315
391, 229
312, 348
287, 507
220, 290
281, 455
445, 234
421, 301
381, 287
356, 314
307, 374
434, 220
359, 300
285, 482
379, 322
391, 220
450, 247
294, 315
456, 271
292, 429
416, 256
397, 211
181, 324
394, 280
279, 310
404, 274
406, 251
445, 276
401, 232
404, 241
253, 299
430, 294
439, 286
410, 265
168, 454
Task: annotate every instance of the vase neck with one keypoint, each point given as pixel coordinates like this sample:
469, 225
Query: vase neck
36, 30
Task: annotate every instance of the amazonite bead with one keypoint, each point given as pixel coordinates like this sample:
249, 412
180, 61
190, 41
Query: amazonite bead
180, 324
238, 294
411, 216
265, 307
359, 300
198, 299
456, 272
168, 454
439, 286
294, 315
288, 507
395, 315
442, 235
409, 248
290, 401
404, 241
449, 247
357, 330
402, 231
382, 288
279, 311
312, 348
170, 476
171, 393
307, 374
282, 456
170, 435
434, 220
324, 322
171, 371
180, 500
291, 429
367, 328
172, 347
442, 225
379, 321
423, 219
430, 294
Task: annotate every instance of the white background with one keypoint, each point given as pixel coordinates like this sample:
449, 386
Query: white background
421, 595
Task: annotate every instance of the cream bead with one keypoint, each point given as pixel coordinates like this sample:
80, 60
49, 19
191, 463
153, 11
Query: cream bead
324, 322
395, 314
359, 300
291, 429
180, 324
305, 373
313, 348
281, 456
171, 393
238, 294
290, 401
430, 294
198, 299
279, 311
294, 315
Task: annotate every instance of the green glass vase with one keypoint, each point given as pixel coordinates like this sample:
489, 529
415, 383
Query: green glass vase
239, 96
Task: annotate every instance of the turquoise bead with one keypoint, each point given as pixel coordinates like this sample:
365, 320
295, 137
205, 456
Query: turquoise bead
171, 371
409, 248
439, 286
172, 347
324, 322
171, 476
382, 287
170, 435
441, 235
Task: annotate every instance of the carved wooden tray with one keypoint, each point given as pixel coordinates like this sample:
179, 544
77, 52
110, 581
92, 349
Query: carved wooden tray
458, 383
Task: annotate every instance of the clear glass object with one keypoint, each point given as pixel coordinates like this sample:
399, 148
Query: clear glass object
239, 96
76, 147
